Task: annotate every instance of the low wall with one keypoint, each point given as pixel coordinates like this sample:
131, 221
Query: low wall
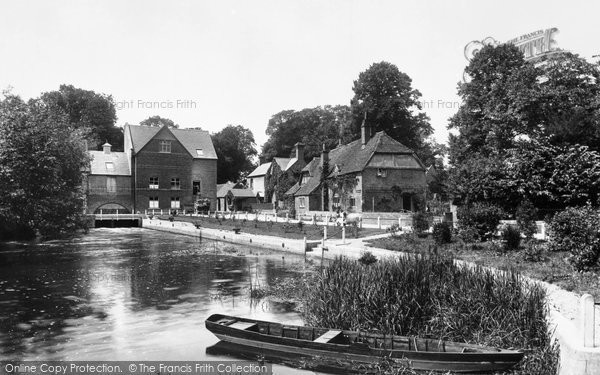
575, 359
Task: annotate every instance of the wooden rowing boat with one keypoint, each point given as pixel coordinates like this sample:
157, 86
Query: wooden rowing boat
362, 347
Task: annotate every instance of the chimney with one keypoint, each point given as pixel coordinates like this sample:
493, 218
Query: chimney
106, 148
324, 160
365, 131
299, 151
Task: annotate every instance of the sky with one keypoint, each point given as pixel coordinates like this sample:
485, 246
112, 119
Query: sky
213, 63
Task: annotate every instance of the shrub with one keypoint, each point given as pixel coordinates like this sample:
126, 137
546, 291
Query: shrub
442, 233
511, 237
367, 258
394, 230
483, 217
420, 221
534, 251
468, 234
526, 215
576, 230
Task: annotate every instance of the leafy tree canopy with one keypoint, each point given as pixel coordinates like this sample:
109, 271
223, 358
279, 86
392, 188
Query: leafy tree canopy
314, 127
42, 156
385, 100
236, 149
90, 112
158, 121
520, 127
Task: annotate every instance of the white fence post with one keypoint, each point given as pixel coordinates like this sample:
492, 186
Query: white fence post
379, 222
325, 232
343, 235
587, 327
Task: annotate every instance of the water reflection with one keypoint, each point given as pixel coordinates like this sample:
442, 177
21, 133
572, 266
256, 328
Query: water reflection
129, 294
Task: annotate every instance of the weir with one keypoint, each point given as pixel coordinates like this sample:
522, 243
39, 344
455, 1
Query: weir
116, 220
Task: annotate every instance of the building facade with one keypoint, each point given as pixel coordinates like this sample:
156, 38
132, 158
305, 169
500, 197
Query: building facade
109, 182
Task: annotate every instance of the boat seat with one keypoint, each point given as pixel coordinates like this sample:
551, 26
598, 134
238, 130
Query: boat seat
328, 336
242, 325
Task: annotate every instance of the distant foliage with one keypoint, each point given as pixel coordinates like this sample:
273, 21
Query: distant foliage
576, 230
482, 217
511, 237
442, 233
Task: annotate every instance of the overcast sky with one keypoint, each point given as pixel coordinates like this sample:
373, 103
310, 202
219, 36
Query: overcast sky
211, 64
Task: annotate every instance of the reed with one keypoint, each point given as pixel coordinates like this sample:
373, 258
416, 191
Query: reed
431, 296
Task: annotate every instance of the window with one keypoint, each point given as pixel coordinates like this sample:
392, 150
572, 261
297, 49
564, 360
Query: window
153, 183
196, 187
302, 202
153, 202
304, 179
381, 172
406, 203
175, 184
199, 152
110, 166
352, 202
335, 202
165, 146
111, 184
174, 202
251, 183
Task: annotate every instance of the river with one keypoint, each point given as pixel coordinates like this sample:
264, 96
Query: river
131, 294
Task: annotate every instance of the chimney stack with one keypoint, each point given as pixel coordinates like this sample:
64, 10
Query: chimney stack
365, 131
325, 173
299, 151
106, 147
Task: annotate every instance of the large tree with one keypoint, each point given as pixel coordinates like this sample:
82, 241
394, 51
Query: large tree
385, 100
515, 115
42, 159
159, 121
91, 112
315, 127
236, 149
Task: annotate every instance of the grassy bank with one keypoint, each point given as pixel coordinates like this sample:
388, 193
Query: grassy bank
549, 266
279, 229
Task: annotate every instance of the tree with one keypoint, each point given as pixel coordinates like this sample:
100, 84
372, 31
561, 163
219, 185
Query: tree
236, 148
385, 100
521, 129
42, 157
314, 127
92, 113
158, 121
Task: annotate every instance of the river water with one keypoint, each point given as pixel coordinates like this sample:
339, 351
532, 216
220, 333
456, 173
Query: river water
131, 294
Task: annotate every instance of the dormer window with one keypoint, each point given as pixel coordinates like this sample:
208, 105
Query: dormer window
381, 172
110, 166
165, 146
199, 152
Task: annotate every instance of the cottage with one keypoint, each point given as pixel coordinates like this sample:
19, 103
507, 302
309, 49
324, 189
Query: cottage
372, 174
276, 169
234, 197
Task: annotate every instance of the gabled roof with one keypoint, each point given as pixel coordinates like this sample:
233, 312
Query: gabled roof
222, 189
191, 139
118, 160
242, 193
229, 187
313, 169
284, 163
353, 157
293, 189
261, 170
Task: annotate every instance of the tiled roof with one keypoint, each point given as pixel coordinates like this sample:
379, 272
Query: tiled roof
293, 189
242, 193
352, 157
191, 139
120, 165
222, 189
261, 170
314, 171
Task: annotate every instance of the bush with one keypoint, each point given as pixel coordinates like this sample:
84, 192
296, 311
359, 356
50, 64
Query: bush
367, 258
576, 230
468, 234
526, 215
534, 251
442, 233
420, 222
481, 216
394, 230
511, 237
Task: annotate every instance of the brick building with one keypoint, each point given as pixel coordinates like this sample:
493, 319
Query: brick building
109, 182
372, 174
170, 168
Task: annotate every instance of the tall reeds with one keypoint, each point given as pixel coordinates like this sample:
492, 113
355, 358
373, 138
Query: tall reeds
430, 296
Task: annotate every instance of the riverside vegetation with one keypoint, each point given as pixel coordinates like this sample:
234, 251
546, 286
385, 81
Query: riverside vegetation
425, 296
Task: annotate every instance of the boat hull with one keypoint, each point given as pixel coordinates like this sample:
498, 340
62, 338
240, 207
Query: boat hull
470, 362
